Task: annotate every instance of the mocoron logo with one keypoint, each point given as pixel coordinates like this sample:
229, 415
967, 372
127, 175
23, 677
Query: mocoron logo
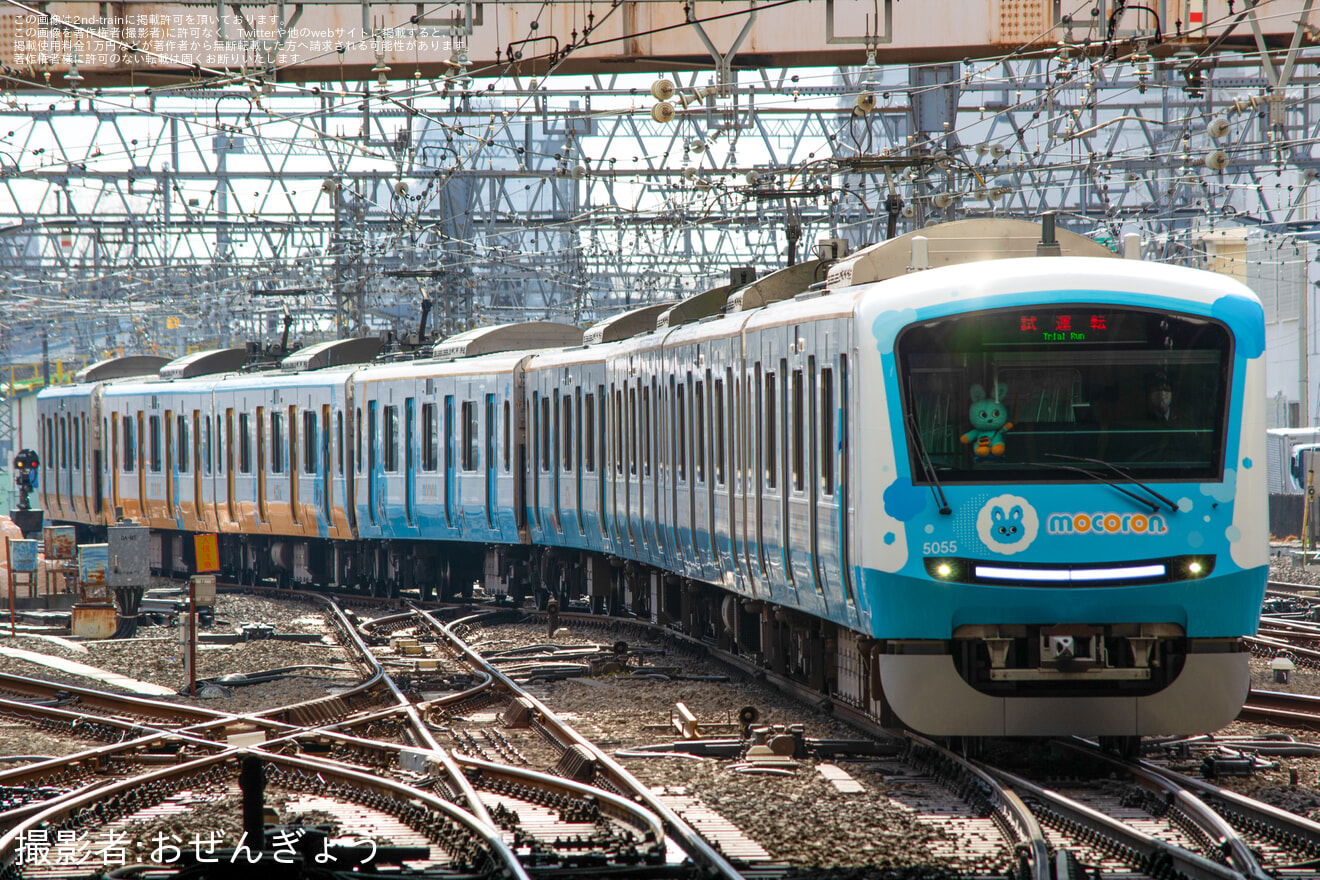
1105, 524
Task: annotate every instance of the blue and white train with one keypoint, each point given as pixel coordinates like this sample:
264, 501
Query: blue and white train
946, 479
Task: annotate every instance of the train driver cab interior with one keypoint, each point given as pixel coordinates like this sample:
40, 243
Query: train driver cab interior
1036, 394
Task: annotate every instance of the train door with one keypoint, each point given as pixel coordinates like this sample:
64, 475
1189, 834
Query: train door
292, 465
491, 463
409, 460
259, 428
699, 507
825, 470
327, 478
114, 464
682, 465
199, 505
633, 474
722, 509
170, 501
650, 464
373, 478
451, 498
555, 443
230, 500
140, 452
799, 509
576, 462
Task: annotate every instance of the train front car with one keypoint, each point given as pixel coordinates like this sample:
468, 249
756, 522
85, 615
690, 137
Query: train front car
1070, 537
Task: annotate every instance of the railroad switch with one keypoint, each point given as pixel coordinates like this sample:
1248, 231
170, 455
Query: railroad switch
1233, 764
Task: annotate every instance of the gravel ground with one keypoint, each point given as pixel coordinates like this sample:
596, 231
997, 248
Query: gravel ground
872, 829
155, 655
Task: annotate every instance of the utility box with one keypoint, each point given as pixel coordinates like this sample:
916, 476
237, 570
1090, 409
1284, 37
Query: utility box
129, 552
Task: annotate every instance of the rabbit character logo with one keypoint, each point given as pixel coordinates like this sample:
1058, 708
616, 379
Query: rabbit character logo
1007, 529
990, 422
1007, 524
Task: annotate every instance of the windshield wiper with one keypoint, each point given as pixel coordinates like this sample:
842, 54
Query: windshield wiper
1099, 479
1173, 508
914, 436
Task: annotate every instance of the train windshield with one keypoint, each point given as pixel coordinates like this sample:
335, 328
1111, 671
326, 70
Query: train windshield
1022, 395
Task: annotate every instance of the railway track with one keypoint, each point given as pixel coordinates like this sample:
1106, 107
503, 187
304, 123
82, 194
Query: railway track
433, 758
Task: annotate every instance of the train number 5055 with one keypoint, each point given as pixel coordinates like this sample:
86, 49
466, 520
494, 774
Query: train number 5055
939, 548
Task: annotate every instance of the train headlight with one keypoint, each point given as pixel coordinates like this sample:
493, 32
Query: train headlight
943, 569
1197, 568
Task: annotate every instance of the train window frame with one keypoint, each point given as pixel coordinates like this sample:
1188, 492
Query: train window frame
181, 437
130, 455
797, 414
648, 426
827, 450
76, 452
507, 426
244, 443
153, 433
449, 443
276, 442
699, 435
390, 439
717, 461
680, 435
541, 430
470, 457
430, 436
1107, 417
771, 436
566, 432
339, 442
589, 433
309, 437
631, 403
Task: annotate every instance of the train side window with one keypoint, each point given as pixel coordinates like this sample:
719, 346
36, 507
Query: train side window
771, 431
339, 441
543, 414
206, 442
618, 431
632, 430
430, 438
64, 441
680, 438
244, 444
470, 434
449, 435
566, 432
276, 443
219, 446
589, 434
130, 452
799, 432
827, 449
390, 450
154, 428
358, 435
309, 442
77, 445
508, 434
699, 435
185, 459
647, 425
719, 432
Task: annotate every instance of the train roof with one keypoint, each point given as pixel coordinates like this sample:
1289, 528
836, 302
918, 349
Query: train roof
204, 363
524, 336
976, 240
333, 353
120, 368
479, 365
626, 324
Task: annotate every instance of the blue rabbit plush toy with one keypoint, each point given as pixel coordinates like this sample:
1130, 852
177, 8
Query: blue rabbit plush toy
989, 423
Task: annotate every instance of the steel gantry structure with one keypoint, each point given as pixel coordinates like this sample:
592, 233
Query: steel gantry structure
198, 210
